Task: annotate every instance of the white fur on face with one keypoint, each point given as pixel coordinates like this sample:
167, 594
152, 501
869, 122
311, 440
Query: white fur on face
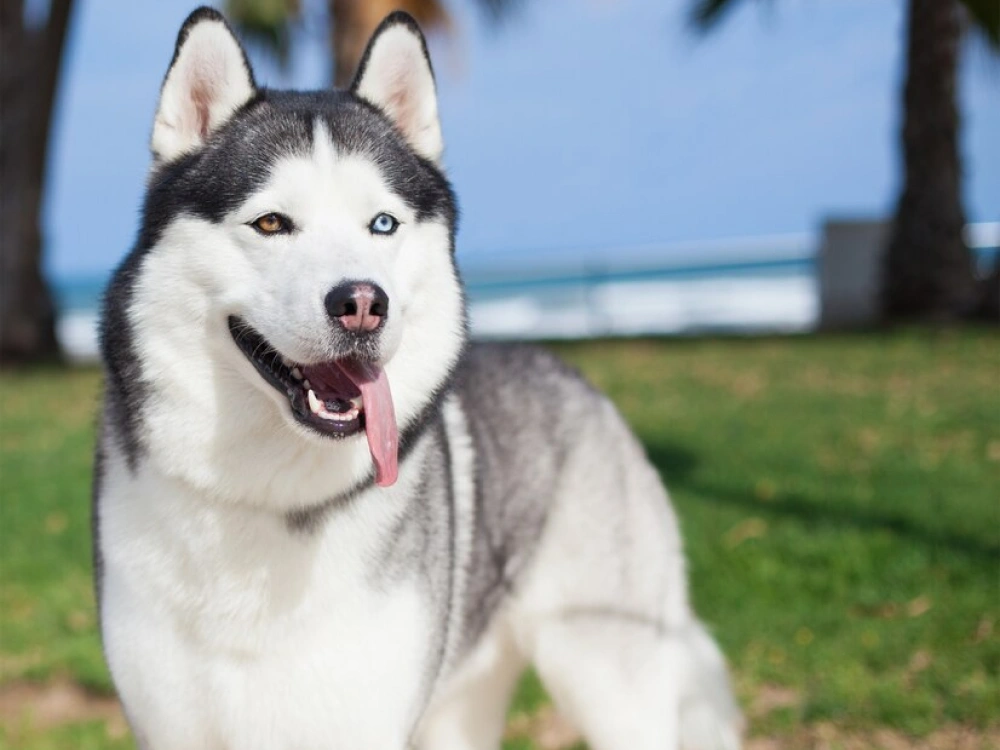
208, 81
210, 417
398, 80
331, 199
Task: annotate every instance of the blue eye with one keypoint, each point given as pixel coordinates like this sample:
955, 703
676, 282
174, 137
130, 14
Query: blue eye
383, 224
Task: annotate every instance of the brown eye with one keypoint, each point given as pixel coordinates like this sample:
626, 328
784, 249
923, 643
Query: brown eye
272, 224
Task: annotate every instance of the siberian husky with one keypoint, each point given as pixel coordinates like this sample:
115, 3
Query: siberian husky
323, 520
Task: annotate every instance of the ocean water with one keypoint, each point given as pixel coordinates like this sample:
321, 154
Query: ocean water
762, 297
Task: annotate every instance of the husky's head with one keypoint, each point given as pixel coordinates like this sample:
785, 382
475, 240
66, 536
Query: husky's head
292, 303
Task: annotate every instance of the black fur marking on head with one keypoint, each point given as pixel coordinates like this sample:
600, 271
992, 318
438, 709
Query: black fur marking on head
238, 158
235, 162
415, 179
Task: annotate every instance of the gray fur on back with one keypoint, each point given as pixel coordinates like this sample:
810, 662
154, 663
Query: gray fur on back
524, 409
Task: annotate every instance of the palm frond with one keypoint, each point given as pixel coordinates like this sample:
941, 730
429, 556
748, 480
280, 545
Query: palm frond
267, 23
985, 15
706, 15
498, 11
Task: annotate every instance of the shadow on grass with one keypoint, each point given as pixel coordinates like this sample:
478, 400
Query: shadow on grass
674, 462
676, 465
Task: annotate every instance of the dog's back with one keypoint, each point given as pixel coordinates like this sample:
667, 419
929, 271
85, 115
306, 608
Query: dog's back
575, 567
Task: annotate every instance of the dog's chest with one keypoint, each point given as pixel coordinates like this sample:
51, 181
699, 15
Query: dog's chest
228, 630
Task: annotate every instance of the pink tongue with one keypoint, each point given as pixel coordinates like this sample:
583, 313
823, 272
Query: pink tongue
380, 418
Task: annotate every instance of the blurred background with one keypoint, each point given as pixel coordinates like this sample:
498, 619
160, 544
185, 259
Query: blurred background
768, 228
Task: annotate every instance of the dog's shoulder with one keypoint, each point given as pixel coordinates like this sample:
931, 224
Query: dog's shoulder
492, 369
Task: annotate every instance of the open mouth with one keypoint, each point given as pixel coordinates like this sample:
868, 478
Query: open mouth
338, 398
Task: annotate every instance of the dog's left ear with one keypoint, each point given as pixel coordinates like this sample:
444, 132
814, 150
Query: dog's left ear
395, 75
208, 80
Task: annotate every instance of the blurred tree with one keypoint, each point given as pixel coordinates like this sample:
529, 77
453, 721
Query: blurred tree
350, 23
928, 269
31, 51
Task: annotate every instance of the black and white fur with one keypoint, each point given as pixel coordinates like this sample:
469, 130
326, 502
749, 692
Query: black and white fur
257, 590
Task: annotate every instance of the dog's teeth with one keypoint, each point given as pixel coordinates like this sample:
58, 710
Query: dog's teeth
297, 373
286, 361
315, 405
332, 416
306, 385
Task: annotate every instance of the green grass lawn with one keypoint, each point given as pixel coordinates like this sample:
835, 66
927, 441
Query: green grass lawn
840, 498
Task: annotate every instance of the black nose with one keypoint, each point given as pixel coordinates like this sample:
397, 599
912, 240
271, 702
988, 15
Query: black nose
358, 306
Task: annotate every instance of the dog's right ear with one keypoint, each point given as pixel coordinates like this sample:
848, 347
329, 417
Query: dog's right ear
208, 80
395, 75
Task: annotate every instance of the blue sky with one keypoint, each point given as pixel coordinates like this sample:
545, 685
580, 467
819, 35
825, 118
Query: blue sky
575, 124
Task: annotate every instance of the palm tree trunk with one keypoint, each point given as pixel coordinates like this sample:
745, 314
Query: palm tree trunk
928, 272
353, 21
29, 73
